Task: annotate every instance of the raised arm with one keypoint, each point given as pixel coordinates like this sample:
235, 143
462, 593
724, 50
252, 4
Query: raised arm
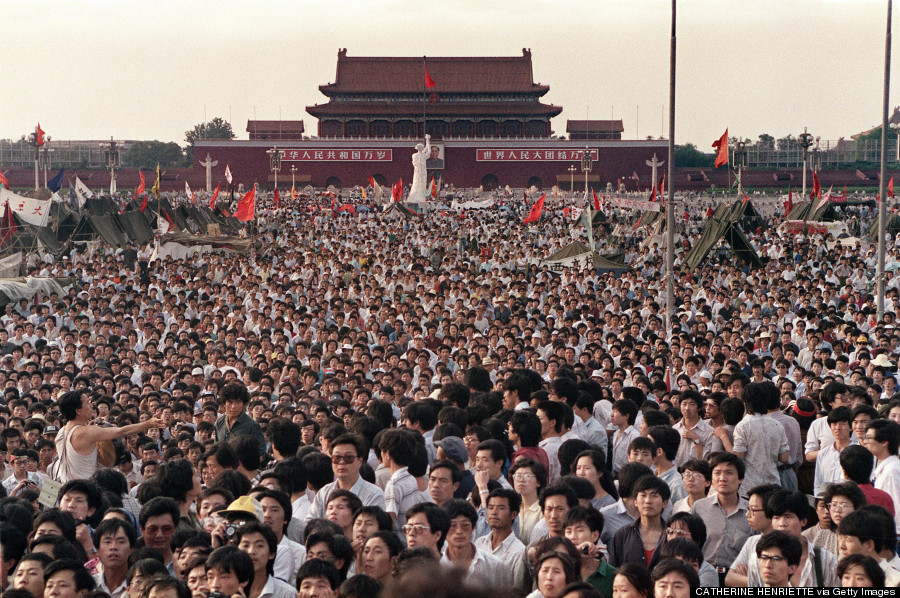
86, 436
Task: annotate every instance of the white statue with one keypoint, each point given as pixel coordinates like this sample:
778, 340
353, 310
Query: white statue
420, 174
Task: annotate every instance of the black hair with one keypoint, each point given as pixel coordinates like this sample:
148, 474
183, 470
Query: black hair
587, 515
670, 565
230, 558
651, 482
282, 499
255, 527
527, 426
789, 545
461, 508
109, 527
694, 524
873, 570
390, 539
70, 403
512, 498
848, 490
285, 436
864, 525
886, 431
360, 586
317, 568
438, 519
233, 481
13, 541
857, 464
721, 457
385, 523
246, 449
293, 470
536, 467
167, 583
83, 579
667, 438
839, 414
559, 489
682, 548
399, 444
628, 475
339, 546
160, 506
628, 408
787, 501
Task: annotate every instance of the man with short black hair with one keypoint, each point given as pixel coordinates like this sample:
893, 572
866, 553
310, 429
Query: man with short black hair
882, 440
347, 456
502, 509
779, 556
114, 539
67, 578
158, 520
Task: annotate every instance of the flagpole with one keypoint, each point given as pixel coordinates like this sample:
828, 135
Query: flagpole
670, 204
424, 100
883, 170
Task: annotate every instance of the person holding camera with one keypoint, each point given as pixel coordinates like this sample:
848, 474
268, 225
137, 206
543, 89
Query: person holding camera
21, 479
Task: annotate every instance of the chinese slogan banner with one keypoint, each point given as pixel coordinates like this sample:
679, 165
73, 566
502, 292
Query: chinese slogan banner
338, 155
532, 155
32, 211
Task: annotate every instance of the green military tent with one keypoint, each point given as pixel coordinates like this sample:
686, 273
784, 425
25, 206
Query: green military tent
817, 211
723, 224
892, 226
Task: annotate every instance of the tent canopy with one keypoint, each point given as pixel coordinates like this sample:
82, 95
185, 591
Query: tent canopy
724, 224
578, 255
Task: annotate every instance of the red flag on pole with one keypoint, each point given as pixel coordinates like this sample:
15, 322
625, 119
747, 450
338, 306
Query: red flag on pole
596, 200
277, 199
429, 82
789, 204
39, 135
535, 214
247, 206
397, 190
433, 188
3, 180
817, 187
721, 144
142, 187
890, 189
212, 202
745, 200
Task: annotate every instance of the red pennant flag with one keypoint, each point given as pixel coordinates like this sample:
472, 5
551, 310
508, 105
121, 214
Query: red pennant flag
535, 214
745, 200
817, 187
247, 206
277, 199
662, 186
721, 144
39, 135
789, 204
7, 225
709, 213
653, 194
429, 82
891, 187
142, 187
372, 182
434, 188
4, 180
397, 190
143, 206
212, 202
168, 218
596, 200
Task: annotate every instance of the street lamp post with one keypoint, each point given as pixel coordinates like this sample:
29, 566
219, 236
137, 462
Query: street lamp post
293, 170
572, 170
895, 127
739, 159
275, 155
587, 164
112, 160
882, 205
45, 158
805, 140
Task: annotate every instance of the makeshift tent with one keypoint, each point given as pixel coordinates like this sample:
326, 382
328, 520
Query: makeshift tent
395, 211
108, 227
749, 216
892, 226
136, 227
16, 289
817, 211
723, 224
578, 255
174, 214
99, 206
238, 244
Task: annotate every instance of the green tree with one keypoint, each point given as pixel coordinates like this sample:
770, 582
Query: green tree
689, 156
146, 154
217, 128
766, 141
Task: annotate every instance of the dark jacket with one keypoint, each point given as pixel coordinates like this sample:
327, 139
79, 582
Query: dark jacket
243, 425
627, 546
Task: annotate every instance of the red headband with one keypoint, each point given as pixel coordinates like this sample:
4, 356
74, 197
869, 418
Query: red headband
803, 413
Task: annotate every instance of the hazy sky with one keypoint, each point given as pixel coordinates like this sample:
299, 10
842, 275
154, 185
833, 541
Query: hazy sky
91, 69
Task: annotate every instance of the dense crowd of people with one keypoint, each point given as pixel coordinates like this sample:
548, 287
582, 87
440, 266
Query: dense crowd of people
420, 407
